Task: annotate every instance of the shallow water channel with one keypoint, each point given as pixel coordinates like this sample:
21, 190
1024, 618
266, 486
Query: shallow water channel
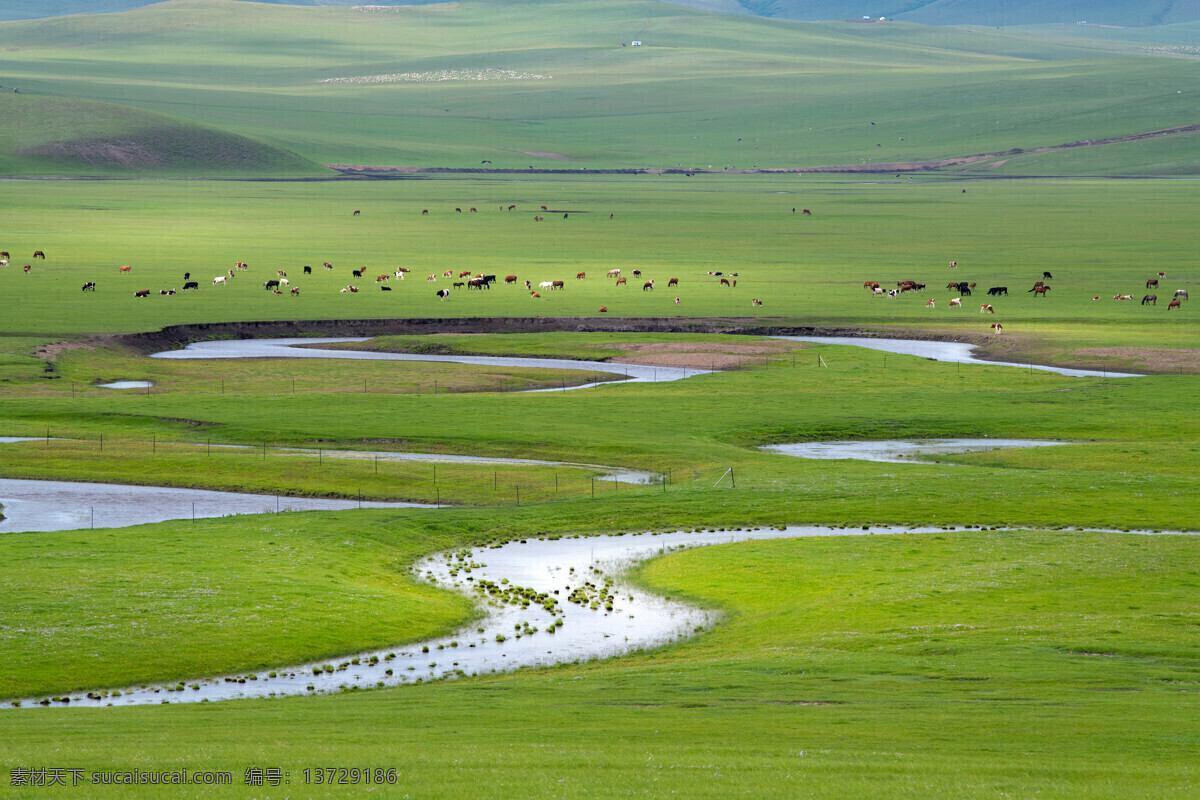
510, 636
898, 451
291, 348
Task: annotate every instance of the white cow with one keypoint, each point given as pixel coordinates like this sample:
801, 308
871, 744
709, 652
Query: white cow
219, 280
546, 285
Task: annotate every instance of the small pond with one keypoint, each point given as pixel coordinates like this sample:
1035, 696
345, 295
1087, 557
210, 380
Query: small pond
126, 385
900, 451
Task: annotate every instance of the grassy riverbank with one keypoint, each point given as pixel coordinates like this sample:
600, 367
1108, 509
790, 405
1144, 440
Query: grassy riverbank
965, 663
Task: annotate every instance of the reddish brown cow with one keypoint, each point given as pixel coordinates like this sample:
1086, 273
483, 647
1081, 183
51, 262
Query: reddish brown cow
672, 282
510, 278
142, 293
648, 285
580, 276
1174, 304
724, 282
356, 213
621, 282
39, 254
556, 285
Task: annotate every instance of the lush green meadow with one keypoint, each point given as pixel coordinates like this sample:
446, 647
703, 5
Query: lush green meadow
1033, 646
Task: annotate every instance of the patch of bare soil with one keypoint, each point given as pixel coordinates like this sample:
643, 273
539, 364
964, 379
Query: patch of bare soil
1151, 359
539, 154
50, 352
102, 151
696, 355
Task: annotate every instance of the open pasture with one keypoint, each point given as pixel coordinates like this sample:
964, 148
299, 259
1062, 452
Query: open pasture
1098, 238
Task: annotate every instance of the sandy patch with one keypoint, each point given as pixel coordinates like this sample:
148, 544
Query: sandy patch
697, 355
1152, 359
539, 154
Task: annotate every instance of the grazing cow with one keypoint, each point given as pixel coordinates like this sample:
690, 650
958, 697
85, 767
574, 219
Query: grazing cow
296, 290
308, 270
930, 303
39, 254
621, 281
510, 279
565, 215
997, 328
187, 276
1040, 291
280, 273
986, 308
241, 266
893, 293
545, 209
473, 211
1096, 297
125, 269
878, 291
512, 208
424, 211
400, 273
1174, 304
527, 285
1181, 293
637, 273
385, 277
1152, 282
142, 293
539, 218
1162, 275
648, 285
996, 291
90, 286
443, 293
755, 302
953, 265
676, 301
27, 269
220, 281
433, 278
476, 283
870, 285
458, 210
327, 265
3, 262
457, 285
580, 276
448, 273
488, 280
546, 284
284, 282
724, 281
956, 302
603, 309
612, 273
358, 273
272, 284
806, 213
672, 282
356, 213
534, 294
1152, 299
466, 273
191, 285
559, 285
1047, 276
231, 273
385, 288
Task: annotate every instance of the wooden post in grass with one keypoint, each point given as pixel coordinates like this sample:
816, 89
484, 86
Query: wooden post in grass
102, 443
518, 497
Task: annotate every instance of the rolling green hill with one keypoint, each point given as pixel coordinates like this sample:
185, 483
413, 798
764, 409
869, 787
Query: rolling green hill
66, 136
928, 12
549, 85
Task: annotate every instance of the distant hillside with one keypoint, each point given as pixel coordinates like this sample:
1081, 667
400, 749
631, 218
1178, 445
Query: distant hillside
66, 136
558, 84
1126, 13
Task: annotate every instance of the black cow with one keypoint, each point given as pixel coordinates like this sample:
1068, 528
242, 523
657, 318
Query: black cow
996, 291
190, 285
271, 284
1047, 276
307, 270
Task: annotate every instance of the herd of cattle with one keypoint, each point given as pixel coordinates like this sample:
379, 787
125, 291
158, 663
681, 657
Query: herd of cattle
480, 281
1039, 289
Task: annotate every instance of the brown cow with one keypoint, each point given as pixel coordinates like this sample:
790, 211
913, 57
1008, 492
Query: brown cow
724, 282
534, 294
512, 208
1174, 304
580, 276
1039, 291
621, 282
356, 213
39, 254
986, 308
672, 282
510, 278
556, 285
28, 269
424, 211
648, 285
327, 265
806, 213
126, 269
603, 309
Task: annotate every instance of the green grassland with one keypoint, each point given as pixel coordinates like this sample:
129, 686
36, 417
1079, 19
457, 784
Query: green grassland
1033, 655
704, 91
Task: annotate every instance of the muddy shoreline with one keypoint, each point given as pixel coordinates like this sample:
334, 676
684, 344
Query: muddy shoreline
174, 336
